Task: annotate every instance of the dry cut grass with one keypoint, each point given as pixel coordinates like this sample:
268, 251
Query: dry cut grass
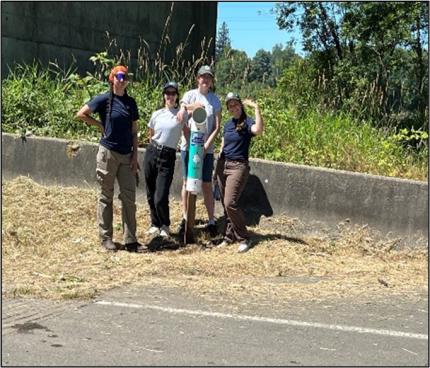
51, 250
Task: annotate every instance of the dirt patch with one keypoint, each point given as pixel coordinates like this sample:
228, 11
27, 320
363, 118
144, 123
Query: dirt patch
28, 327
51, 250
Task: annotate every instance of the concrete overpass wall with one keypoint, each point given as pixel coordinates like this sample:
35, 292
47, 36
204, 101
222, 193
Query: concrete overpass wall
75, 30
389, 205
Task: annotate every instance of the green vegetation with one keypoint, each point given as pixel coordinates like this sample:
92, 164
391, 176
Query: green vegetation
357, 101
45, 102
336, 141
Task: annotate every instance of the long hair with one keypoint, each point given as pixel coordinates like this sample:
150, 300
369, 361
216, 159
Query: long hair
241, 122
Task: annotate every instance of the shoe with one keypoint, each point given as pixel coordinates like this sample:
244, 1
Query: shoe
212, 230
223, 244
140, 248
244, 246
165, 231
181, 228
108, 244
136, 247
152, 230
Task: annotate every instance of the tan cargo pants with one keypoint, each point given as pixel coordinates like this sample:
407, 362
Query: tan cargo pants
112, 165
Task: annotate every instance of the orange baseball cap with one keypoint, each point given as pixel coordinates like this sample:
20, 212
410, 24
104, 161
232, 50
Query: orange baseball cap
118, 68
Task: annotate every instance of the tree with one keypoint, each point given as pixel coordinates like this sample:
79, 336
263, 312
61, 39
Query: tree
232, 69
394, 37
318, 23
369, 58
223, 42
261, 67
282, 58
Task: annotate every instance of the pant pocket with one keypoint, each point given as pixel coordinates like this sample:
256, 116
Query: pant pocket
102, 165
102, 158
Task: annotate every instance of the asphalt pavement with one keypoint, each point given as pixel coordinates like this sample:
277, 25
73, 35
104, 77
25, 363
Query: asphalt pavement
149, 326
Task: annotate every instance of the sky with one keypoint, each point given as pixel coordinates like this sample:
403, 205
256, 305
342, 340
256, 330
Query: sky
252, 26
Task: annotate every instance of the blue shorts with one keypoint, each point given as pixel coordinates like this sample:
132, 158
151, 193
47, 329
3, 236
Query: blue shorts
208, 166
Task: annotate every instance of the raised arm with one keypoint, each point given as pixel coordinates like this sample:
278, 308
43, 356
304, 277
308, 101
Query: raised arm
258, 127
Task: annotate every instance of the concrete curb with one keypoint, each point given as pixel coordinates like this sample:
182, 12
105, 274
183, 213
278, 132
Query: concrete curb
389, 205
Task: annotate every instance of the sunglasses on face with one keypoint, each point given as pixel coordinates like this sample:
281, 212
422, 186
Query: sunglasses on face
170, 93
121, 76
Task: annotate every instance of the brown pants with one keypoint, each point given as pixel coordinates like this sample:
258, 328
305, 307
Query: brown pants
110, 166
232, 177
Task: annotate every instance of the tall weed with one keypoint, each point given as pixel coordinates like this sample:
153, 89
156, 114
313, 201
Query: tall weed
44, 101
335, 141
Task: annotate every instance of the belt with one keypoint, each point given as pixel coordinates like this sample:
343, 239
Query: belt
160, 147
243, 161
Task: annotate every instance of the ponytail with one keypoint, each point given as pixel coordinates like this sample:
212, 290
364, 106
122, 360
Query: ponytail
110, 103
241, 122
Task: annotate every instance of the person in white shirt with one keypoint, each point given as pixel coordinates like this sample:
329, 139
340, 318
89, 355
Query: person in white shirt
202, 96
160, 156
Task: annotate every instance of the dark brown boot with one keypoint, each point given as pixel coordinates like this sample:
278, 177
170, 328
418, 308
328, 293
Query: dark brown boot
136, 247
108, 244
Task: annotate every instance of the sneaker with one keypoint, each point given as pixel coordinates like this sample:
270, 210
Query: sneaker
153, 230
136, 247
212, 230
140, 248
108, 244
244, 246
223, 244
181, 228
165, 231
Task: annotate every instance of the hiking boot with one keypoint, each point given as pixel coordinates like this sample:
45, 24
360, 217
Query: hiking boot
108, 244
212, 230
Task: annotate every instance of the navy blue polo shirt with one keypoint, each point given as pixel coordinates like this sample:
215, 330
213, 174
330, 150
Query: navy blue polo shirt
236, 144
118, 129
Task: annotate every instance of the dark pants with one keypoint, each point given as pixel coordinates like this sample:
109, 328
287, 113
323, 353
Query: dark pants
159, 166
232, 177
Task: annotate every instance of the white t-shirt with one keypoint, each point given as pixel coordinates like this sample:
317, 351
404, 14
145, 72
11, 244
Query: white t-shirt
167, 130
212, 106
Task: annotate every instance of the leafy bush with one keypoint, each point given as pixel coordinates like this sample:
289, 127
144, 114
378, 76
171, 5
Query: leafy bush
336, 141
44, 101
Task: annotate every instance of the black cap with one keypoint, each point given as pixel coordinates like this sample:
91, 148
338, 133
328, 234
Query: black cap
171, 84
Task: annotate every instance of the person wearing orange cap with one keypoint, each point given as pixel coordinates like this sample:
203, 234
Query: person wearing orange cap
116, 157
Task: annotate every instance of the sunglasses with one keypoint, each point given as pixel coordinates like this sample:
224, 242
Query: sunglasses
121, 76
170, 93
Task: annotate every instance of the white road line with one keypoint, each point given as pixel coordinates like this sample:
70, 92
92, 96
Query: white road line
269, 320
